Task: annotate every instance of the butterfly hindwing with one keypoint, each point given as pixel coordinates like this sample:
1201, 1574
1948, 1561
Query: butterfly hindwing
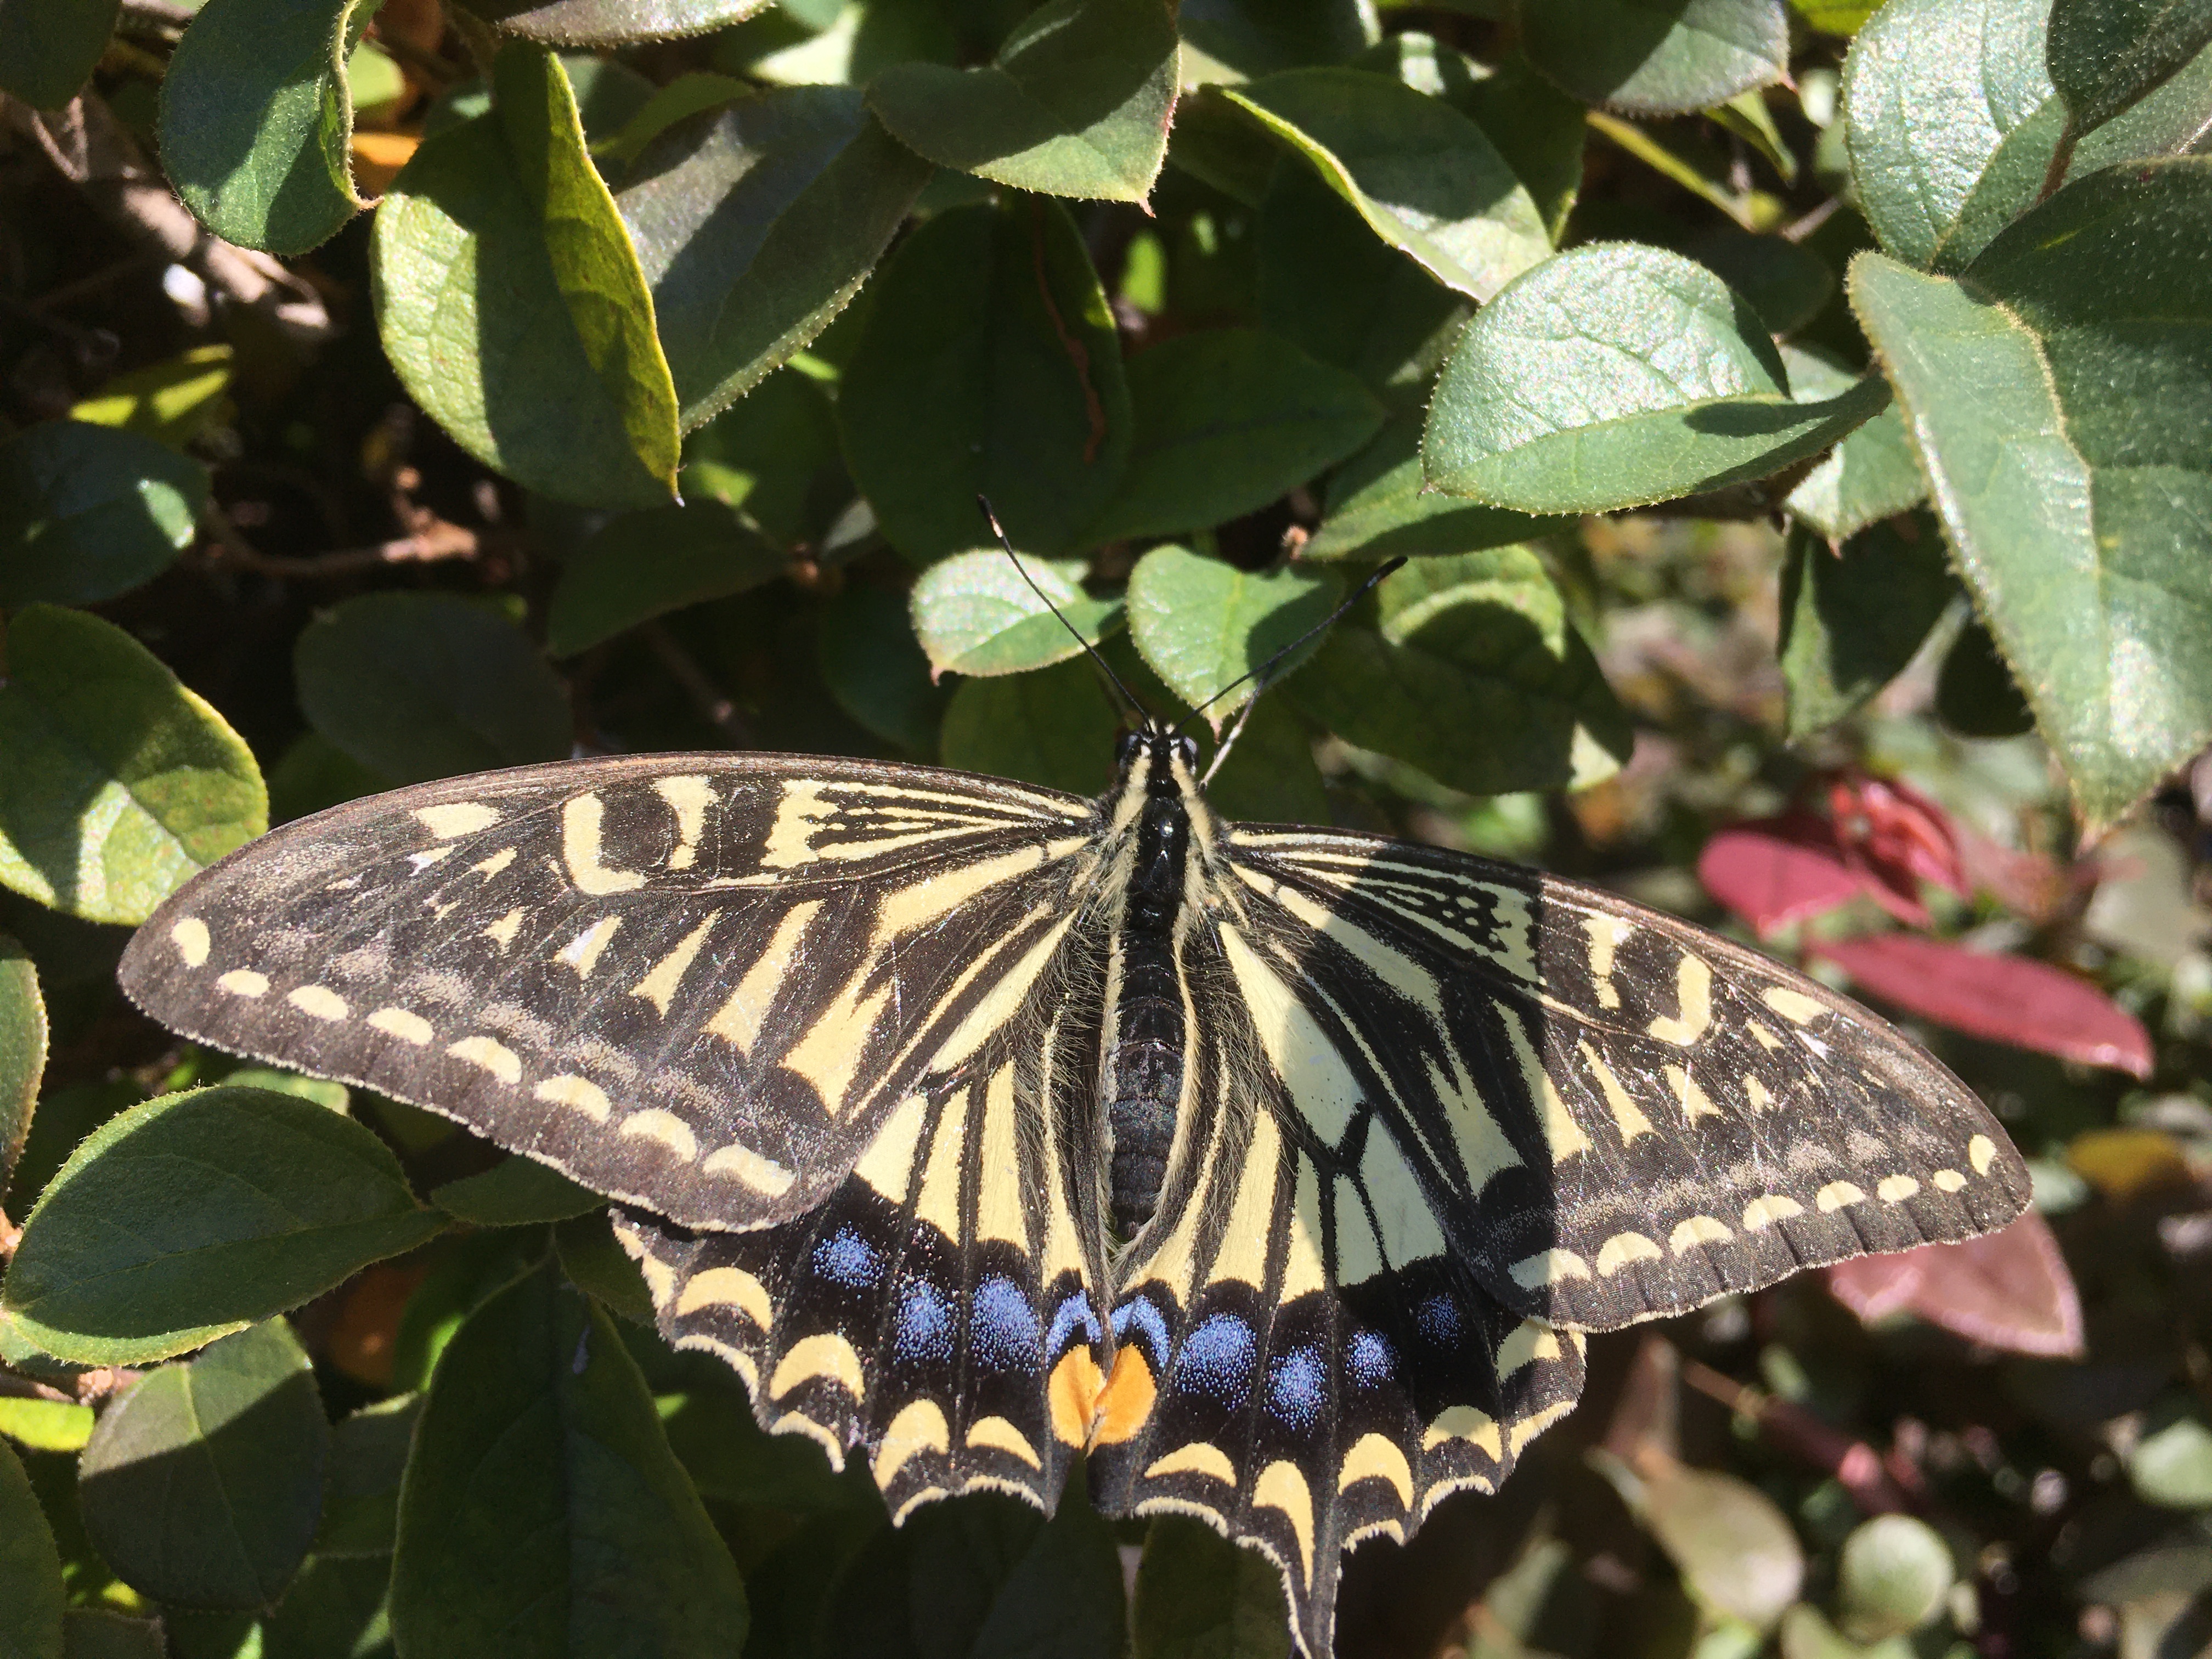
940, 1311
700, 983
1315, 1367
1612, 1115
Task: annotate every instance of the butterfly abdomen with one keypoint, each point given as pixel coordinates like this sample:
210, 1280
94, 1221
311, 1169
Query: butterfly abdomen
1144, 1066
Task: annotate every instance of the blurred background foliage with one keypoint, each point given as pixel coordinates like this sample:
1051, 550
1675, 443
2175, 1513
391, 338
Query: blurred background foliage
297, 503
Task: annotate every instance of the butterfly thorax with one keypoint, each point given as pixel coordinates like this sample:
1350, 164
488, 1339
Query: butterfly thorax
1145, 1035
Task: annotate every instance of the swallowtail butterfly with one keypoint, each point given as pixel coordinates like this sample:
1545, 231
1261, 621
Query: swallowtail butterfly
1278, 1170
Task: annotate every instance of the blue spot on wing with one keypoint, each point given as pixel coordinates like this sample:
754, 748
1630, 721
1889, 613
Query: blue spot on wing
1139, 1316
1073, 1312
846, 1258
1297, 1388
1438, 1318
1003, 1327
1370, 1360
925, 1325
1217, 1359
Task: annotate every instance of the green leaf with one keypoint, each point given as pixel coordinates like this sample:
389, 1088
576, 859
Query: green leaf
103, 1633
974, 615
1658, 56
23, 1050
512, 306
688, 95
429, 685
63, 1118
1616, 375
468, 1270
2171, 1466
242, 1204
1201, 623
643, 565
330, 1096
824, 43
1244, 40
2107, 54
515, 1192
31, 1591
543, 1513
257, 120
1840, 18
610, 22
1054, 726
1870, 476
1344, 297
876, 669
116, 782
770, 456
1226, 419
1475, 676
1425, 178
335, 1603
59, 1425
1077, 102
202, 1486
1199, 1597
1976, 694
1892, 1576
989, 365
1853, 617
1380, 505
46, 58
88, 511
2056, 393
171, 402
1738, 1556
1270, 776
756, 228
1787, 283
597, 1264
1539, 130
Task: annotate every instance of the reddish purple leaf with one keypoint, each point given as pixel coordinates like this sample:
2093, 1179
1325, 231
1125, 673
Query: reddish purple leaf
1772, 872
2030, 1005
2009, 1289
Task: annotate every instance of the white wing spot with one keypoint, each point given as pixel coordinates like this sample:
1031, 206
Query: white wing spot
243, 982
670, 1130
761, 1174
1622, 1248
190, 936
1948, 1180
1895, 1189
1835, 1195
1765, 1212
497, 1057
580, 1094
398, 1022
1981, 1152
319, 1001
459, 818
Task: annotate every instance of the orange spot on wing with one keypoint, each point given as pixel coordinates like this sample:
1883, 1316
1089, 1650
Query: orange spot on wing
1127, 1399
1073, 1393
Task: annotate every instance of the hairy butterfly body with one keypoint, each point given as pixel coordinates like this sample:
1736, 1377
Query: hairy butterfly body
1278, 1172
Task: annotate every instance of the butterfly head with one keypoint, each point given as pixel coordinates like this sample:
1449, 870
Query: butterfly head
1165, 761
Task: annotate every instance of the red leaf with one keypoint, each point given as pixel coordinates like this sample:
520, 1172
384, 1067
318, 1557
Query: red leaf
1774, 871
1906, 832
2030, 1005
2009, 1289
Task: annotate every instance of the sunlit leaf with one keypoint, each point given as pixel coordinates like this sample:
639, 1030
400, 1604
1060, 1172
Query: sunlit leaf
1202, 624
975, 614
610, 22
514, 1192
2106, 54
31, 1588
1658, 59
1054, 726
23, 1050
2008, 1290
88, 511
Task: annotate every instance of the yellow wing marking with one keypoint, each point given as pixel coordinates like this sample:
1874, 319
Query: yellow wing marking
1303, 1270
762, 1175
1524, 1345
940, 1203
1697, 1229
1320, 1086
1767, 1039
399, 1023
581, 818
244, 983
738, 1021
825, 1355
1693, 988
659, 985
1627, 1115
1835, 1195
887, 1164
491, 867
488, 1055
1403, 1214
1981, 1152
1695, 1102
1551, 1266
1765, 1212
502, 932
1948, 1180
1622, 1248
1199, 1457
1281, 1487
728, 1287
1244, 1242
191, 938
1377, 1457
1793, 1006
459, 818
1001, 1435
1464, 1423
577, 1093
319, 1001
999, 1212
1561, 1133
1604, 934
1895, 1189
688, 797
919, 1427
582, 953
664, 1128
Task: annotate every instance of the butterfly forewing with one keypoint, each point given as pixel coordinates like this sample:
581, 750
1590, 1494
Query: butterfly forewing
698, 983
1610, 1115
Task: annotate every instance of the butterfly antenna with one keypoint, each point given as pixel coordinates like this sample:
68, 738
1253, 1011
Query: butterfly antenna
1264, 672
1144, 718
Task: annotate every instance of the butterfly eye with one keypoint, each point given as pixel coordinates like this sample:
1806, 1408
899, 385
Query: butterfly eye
1188, 749
1126, 747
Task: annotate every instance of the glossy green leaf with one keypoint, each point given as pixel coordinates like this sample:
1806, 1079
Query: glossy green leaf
1841, 18
975, 615
989, 365
335, 1607
514, 1192
1271, 777
116, 782
23, 1050
171, 402
59, 1426
771, 455
31, 1590
1199, 1596
202, 1486
2058, 394
244, 1203
1344, 297
1380, 505
610, 22
1201, 623
1616, 376
1475, 676
643, 565
257, 120
1539, 130
63, 1118
45, 56
1869, 477
1244, 40
467, 1270
597, 1264
876, 669
1853, 617
89, 511
429, 685
1227, 420
512, 306
1077, 102
1891, 1577
330, 1095
1054, 726
543, 1513
845, 43
689, 95
1425, 178
756, 227
1787, 283
1658, 56
2107, 54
